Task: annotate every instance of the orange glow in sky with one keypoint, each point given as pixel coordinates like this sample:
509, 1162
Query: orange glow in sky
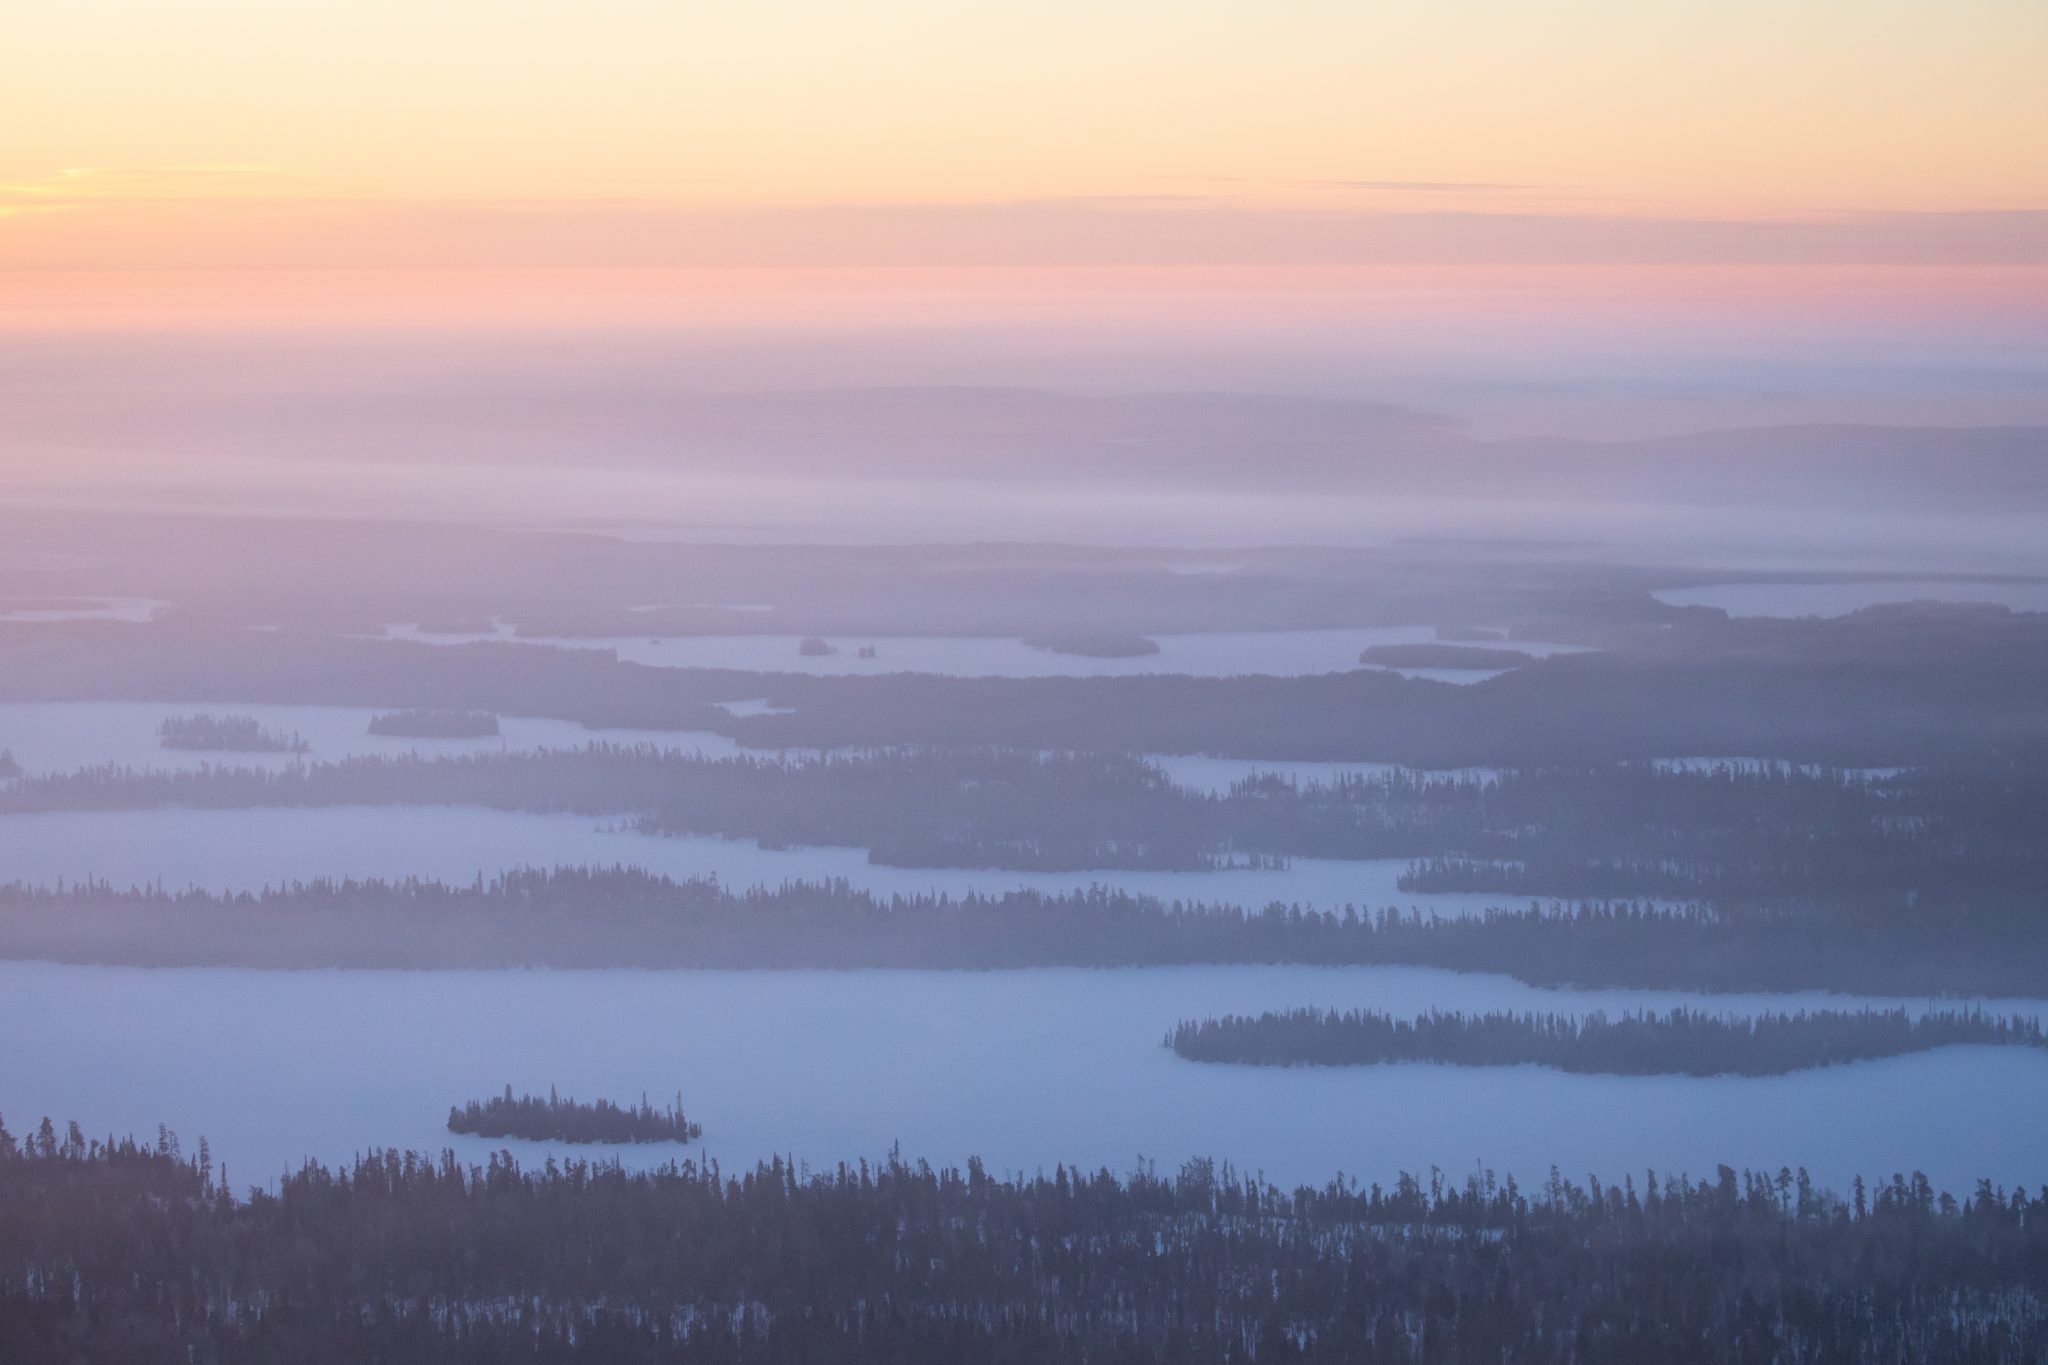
530, 138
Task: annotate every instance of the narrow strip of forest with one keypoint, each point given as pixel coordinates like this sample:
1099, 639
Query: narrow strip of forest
1681, 1042
620, 917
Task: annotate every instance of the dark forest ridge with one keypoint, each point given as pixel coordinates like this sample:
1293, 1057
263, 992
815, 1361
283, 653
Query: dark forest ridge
415, 1256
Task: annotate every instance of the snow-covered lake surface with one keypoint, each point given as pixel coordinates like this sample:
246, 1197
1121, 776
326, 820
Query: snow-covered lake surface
245, 850
1022, 1068
1214, 654
65, 736
1839, 599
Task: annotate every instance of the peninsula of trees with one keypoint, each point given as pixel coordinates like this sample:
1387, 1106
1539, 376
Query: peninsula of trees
596, 917
1682, 1042
232, 734
112, 1250
555, 1119
433, 724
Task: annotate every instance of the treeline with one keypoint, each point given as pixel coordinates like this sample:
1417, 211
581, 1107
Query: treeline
10, 767
111, 1251
559, 1120
1682, 1042
435, 724
234, 734
586, 917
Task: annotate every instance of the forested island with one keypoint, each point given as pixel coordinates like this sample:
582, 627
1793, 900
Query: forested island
1682, 1042
111, 1250
596, 917
568, 1120
10, 768
232, 734
435, 724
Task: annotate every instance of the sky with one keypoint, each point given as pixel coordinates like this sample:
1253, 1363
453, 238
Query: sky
516, 134
1574, 218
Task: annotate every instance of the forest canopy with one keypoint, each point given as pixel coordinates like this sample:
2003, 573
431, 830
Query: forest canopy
412, 1256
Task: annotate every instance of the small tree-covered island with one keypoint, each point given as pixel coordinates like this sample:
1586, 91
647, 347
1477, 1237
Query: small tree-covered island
555, 1119
1682, 1042
228, 734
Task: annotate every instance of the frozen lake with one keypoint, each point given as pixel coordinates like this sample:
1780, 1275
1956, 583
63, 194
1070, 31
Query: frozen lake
65, 736
1211, 654
245, 850
1839, 599
1022, 1068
